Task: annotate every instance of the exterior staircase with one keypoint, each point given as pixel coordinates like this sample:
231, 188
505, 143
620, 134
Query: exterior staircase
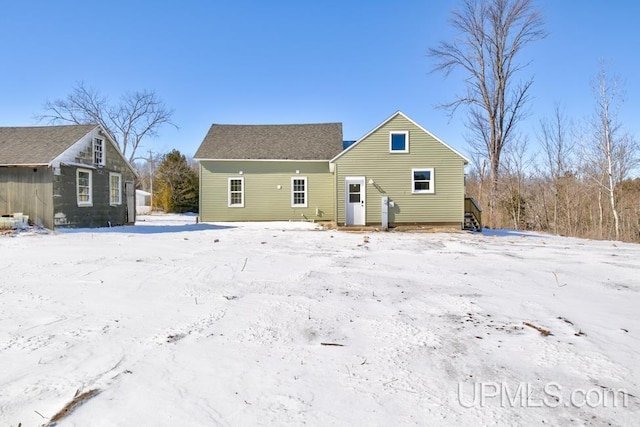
472, 215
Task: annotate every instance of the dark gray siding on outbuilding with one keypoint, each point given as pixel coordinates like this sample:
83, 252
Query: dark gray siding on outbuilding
101, 213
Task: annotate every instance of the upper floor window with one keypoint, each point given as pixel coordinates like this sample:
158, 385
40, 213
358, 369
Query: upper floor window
115, 189
399, 141
98, 151
83, 187
422, 180
299, 192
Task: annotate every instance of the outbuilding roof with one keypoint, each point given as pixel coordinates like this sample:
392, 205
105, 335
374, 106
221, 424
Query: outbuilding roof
38, 145
320, 141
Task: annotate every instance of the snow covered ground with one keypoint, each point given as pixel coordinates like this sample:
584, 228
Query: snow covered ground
183, 324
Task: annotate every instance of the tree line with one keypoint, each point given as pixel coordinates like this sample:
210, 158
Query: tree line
581, 182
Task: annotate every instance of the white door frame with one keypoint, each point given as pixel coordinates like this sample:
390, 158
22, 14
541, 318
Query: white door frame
355, 215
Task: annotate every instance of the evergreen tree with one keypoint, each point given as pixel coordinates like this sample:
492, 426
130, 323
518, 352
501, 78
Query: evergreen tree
176, 184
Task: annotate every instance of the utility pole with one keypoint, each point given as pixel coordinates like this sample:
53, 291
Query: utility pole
150, 161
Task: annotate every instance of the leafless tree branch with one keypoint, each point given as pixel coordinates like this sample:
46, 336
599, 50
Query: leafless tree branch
491, 34
137, 117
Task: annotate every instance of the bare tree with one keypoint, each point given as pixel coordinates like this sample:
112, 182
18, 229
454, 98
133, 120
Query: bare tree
137, 116
610, 154
558, 151
515, 166
492, 33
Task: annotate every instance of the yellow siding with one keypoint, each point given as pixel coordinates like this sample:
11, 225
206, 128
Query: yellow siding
392, 175
263, 200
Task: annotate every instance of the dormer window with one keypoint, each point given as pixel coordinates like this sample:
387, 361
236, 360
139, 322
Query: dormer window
399, 141
98, 151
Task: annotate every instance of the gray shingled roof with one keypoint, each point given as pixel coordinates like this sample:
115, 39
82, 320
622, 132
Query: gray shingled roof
276, 142
39, 144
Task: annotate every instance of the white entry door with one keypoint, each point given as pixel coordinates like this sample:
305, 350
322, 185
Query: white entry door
354, 198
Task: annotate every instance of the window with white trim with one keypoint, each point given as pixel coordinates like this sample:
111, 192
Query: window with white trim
115, 188
422, 180
236, 192
98, 151
299, 192
399, 141
83, 187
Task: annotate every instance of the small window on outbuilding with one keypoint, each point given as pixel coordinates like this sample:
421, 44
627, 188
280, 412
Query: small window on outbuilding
83, 187
399, 141
98, 151
115, 188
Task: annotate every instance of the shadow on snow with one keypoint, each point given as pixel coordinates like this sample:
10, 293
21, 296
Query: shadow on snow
147, 229
505, 232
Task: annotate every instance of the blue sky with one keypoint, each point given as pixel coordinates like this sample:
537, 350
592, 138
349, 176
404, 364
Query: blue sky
256, 62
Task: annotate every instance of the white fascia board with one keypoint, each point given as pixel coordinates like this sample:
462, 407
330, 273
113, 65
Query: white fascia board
79, 165
99, 132
68, 156
411, 121
346, 150
259, 160
23, 165
436, 138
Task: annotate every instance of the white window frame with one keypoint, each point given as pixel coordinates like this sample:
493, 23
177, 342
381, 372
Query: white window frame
293, 192
119, 194
432, 181
406, 141
88, 202
236, 205
99, 142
